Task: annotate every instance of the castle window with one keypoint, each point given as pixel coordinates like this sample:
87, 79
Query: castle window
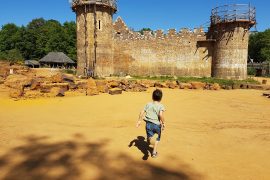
99, 24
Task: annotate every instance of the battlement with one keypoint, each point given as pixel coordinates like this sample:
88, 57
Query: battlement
122, 32
106, 3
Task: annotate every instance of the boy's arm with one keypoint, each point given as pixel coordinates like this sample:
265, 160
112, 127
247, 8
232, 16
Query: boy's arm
162, 119
131, 143
141, 116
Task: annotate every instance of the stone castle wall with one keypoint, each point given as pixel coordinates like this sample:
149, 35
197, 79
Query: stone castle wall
106, 48
181, 53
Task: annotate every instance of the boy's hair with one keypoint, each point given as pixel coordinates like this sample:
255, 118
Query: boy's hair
157, 95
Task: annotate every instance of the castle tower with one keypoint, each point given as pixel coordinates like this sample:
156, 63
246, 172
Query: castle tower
230, 26
94, 36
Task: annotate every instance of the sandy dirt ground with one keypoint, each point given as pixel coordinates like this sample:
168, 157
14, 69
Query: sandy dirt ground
260, 79
211, 135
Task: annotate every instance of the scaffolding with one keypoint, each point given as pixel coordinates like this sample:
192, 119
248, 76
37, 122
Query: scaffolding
109, 3
234, 13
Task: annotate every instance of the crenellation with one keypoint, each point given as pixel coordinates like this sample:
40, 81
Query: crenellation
159, 34
171, 34
123, 33
147, 35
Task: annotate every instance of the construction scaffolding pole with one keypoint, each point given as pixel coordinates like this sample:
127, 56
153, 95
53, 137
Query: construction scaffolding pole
95, 41
86, 68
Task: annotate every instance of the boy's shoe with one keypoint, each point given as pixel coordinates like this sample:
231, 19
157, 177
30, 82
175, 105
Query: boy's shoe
155, 155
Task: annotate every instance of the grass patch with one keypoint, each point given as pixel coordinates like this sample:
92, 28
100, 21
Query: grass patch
198, 79
69, 71
251, 71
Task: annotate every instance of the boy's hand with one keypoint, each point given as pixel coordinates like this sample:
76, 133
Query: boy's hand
163, 127
138, 124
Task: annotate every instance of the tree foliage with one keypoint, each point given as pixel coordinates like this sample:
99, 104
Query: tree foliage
145, 29
259, 46
37, 39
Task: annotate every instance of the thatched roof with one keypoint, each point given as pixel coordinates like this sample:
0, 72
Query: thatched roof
31, 62
56, 57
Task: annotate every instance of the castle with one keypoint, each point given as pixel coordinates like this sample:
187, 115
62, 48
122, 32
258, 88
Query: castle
107, 48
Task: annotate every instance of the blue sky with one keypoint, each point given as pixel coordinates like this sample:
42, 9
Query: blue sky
155, 14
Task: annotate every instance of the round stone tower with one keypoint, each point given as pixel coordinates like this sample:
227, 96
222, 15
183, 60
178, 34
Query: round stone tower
230, 26
94, 36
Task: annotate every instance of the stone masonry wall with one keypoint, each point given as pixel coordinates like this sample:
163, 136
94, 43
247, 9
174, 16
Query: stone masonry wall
231, 50
86, 40
181, 53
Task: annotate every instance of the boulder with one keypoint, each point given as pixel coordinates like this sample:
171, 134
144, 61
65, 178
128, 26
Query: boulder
114, 84
91, 88
148, 83
72, 86
243, 86
35, 85
227, 87
115, 91
57, 92
266, 94
172, 84
16, 93
215, 87
81, 84
124, 87
102, 86
16, 81
25, 71
236, 86
185, 86
46, 88
57, 78
208, 86
256, 86
124, 82
136, 87
68, 78
197, 85
32, 94
160, 85
2, 80
266, 87
4, 72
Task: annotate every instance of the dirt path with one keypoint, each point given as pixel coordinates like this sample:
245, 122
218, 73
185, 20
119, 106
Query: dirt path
209, 135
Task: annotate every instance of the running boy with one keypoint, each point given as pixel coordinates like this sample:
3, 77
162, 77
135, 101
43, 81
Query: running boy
153, 115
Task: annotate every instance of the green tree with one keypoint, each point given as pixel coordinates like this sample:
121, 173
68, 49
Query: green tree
259, 46
37, 39
145, 29
70, 37
8, 37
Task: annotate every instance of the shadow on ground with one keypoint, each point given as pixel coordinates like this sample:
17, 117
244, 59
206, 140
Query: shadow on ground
39, 159
143, 146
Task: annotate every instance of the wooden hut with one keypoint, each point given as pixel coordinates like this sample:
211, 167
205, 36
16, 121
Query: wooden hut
57, 60
32, 63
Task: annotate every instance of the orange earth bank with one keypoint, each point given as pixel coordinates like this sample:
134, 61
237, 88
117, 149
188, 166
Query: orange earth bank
211, 135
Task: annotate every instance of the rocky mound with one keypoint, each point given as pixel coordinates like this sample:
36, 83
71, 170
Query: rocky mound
34, 83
